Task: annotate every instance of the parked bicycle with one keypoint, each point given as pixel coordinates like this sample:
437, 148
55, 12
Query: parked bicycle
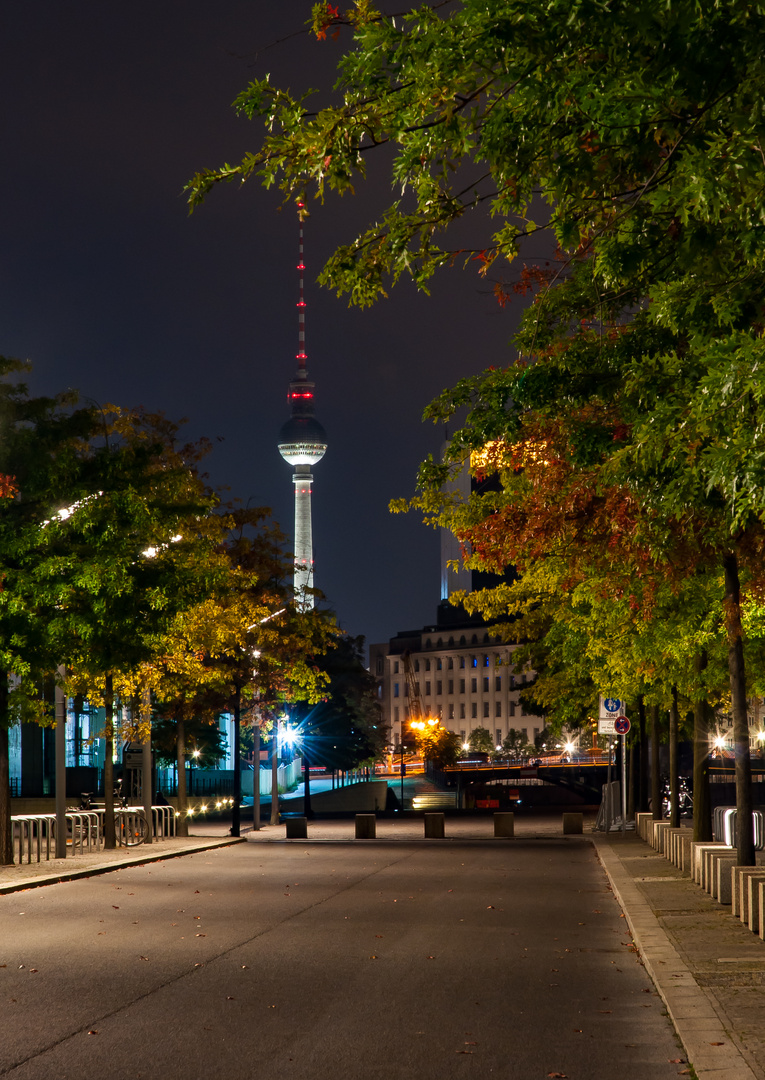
131, 827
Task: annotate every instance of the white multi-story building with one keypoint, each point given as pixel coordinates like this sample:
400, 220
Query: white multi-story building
465, 676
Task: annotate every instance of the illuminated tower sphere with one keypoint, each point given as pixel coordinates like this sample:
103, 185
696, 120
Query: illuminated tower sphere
302, 442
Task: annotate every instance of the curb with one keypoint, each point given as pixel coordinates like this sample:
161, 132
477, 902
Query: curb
115, 864
698, 1024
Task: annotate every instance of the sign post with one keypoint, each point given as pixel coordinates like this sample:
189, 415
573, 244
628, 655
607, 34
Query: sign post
610, 711
622, 726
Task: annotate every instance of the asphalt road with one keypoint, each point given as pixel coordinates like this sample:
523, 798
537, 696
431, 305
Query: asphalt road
310, 961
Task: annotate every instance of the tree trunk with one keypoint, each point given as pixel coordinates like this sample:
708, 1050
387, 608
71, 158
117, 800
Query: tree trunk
256, 777
6, 835
702, 803
643, 783
180, 757
674, 774
146, 761
236, 809
275, 772
110, 835
732, 608
632, 777
307, 808
655, 777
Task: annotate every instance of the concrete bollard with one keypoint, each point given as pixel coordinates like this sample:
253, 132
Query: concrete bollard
366, 827
724, 866
641, 823
719, 873
572, 823
659, 828
750, 909
708, 855
504, 824
434, 826
297, 828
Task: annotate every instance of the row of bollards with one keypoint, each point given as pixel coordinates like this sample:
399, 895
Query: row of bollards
434, 823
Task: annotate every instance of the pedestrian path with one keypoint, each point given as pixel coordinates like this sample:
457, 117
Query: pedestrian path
707, 966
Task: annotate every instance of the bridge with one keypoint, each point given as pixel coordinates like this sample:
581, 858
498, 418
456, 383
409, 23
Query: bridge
585, 777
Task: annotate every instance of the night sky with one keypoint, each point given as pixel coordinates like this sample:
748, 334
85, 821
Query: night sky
109, 286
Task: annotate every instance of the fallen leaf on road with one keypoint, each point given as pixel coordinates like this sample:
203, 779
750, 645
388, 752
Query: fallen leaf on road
92, 1033
717, 1044
604, 1011
558, 1074
144, 958
378, 935
373, 957
430, 957
244, 966
676, 1061
464, 1051
33, 971
116, 907
489, 907
200, 935
229, 998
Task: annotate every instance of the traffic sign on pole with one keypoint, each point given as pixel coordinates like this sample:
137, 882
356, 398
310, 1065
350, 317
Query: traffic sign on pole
622, 725
610, 708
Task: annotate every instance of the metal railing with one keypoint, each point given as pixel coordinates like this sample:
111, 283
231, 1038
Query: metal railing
34, 835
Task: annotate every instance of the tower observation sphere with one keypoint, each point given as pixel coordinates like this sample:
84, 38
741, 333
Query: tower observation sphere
302, 442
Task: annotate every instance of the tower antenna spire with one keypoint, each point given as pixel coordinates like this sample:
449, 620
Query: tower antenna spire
302, 442
302, 356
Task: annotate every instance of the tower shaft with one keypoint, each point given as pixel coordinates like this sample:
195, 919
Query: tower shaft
303, 479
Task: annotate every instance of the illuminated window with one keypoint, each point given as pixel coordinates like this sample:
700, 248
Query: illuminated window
485, 660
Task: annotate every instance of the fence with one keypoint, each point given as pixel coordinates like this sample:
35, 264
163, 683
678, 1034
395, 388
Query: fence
35, 834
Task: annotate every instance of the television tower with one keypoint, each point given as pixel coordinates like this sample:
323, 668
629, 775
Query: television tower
302, 442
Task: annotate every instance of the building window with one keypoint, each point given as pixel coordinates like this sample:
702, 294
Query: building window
498, 733
451, 712
395, 667
395, 714
395, 689
427, 665
497, 682
439, 691
536, 732
474, 661
379, 665
417, 665
427, 688
474, 710
525, 733
462, 686
439, 664
485, 708
462, 715
451, 686
462, 736
512, 682
450, 665
523, 710
474, 686
511, 708
462, 661
485, 660
498, 708
486, 684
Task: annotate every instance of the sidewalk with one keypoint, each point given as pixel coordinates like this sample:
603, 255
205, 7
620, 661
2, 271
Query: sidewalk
50, 871
707, 966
